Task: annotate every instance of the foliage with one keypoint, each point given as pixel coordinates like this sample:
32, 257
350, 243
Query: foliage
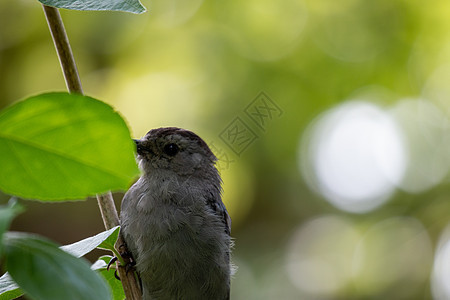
199, 64
116, 287
61, 274
133, 6
60, 147
58, 271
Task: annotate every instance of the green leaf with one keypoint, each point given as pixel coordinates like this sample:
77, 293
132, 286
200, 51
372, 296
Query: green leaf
108, 244
58, 146
85, 246
46, 272
133, 6
110, 241
102, 263
115, 285
7, 213
8, 288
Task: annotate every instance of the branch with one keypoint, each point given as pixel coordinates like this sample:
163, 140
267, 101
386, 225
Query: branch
63, 49
73, 83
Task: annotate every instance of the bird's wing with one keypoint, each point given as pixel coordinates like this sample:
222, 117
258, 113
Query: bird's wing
220, 210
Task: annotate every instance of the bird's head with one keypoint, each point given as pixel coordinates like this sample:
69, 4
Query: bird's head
175, 150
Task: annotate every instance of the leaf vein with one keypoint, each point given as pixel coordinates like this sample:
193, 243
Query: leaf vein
62, 155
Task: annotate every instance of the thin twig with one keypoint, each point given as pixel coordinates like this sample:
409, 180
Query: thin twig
62, 45
105, 202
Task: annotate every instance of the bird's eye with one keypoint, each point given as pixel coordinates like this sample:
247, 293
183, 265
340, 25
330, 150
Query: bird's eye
171, 149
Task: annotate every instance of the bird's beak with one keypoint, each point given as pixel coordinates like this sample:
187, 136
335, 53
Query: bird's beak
139, 146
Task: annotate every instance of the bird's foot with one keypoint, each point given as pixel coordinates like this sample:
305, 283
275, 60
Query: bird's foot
130, 263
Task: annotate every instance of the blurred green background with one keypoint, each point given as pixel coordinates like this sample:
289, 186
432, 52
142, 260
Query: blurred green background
331, 120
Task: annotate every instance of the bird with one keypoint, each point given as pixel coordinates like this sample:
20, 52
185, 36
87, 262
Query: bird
173, 219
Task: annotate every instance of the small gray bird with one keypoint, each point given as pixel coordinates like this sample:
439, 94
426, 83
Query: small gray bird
173, 219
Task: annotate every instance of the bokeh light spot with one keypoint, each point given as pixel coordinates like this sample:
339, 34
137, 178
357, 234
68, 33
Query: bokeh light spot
319, 255
158, 99
169, 13
353, 155
426, 129
440, 284
393, 253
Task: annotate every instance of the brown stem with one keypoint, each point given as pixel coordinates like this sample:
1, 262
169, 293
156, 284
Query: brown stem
73, 82
62, 45
108, 210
